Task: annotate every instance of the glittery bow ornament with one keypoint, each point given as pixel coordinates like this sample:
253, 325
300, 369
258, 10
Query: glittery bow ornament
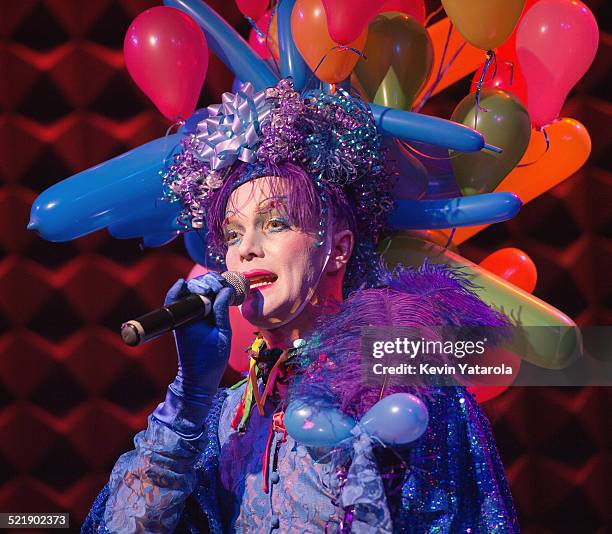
232, 128
230, 132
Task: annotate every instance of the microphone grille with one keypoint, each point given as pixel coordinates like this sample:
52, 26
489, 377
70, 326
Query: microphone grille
239, 283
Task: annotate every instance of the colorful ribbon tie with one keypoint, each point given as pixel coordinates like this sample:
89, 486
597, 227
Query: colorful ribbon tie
232, 129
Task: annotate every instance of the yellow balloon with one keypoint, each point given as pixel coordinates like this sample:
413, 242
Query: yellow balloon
484, 23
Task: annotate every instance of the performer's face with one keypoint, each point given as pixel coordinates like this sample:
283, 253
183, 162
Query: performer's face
281, 261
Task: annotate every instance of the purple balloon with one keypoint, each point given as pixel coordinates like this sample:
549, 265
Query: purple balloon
413, 177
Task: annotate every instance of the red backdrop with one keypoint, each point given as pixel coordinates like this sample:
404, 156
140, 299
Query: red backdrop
72, 395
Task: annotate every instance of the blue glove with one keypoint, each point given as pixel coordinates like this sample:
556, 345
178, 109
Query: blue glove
203, 348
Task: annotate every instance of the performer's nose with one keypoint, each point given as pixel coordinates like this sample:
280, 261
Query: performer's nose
250, 246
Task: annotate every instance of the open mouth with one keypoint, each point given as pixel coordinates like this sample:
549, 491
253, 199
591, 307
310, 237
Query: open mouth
260, 281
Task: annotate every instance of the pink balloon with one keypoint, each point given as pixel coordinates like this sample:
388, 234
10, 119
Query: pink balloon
414, 8
243, 332
556, 43
167, 56
346, 19
253, 8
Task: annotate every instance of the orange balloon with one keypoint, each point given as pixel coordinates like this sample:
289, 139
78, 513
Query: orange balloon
514, 266
311, 36
484, 23
570, 146
243, 332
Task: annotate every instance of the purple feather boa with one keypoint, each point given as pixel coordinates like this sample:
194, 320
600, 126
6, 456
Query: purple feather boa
430, 296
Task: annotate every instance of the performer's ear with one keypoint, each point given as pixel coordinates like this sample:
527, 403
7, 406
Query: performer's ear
342, 248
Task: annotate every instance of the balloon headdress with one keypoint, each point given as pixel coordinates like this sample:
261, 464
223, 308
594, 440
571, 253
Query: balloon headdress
332, 137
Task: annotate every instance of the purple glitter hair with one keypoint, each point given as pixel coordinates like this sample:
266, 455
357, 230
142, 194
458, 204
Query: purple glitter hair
430, 297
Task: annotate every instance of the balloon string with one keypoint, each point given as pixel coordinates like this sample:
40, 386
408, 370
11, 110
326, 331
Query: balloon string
547, 140
490, 56
441, 71
382, 389
438, 76
450, 238
422, 154
179, 122
268, 45
438, 80
266, 35
432, 15
338, 47
168, 151
254, 27
510, 66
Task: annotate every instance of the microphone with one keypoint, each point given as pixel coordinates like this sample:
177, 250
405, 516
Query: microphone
167, 318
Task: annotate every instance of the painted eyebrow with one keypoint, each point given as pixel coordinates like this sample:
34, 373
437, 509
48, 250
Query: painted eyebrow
260, 208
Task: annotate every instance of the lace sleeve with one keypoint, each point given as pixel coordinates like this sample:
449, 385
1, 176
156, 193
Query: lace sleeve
151, 485
148, 485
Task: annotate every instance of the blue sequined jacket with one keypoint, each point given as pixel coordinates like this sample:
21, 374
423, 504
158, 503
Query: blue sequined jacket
455, 482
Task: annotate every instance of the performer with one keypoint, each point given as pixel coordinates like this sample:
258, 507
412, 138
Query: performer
294, 192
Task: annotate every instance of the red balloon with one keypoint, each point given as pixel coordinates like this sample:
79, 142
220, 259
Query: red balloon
513, 265
257, 42
506, 76
414, 8
487, 387
167, 56
485, 393
346, 19
253, 8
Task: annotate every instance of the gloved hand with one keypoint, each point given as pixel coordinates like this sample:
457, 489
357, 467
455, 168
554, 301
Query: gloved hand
203, 348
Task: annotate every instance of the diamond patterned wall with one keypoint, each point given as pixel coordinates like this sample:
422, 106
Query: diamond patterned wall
72, 395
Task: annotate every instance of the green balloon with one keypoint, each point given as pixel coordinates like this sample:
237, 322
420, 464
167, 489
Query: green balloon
504, 123
550, 338
399, 60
